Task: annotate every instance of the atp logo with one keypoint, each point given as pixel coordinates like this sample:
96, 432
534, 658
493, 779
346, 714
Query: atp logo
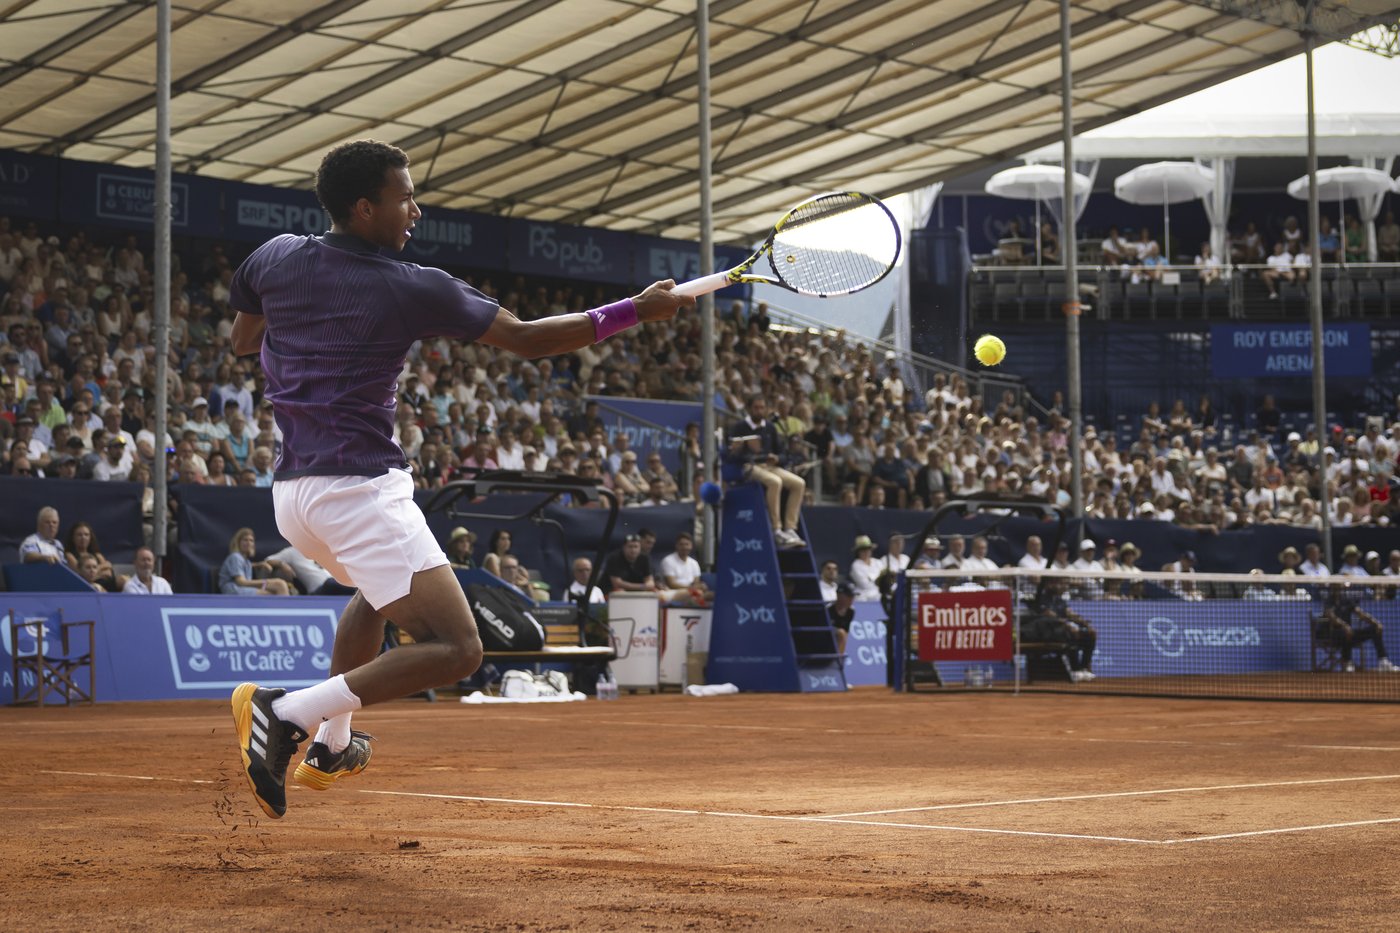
1165, 637
764, 614
742, 578
748, 544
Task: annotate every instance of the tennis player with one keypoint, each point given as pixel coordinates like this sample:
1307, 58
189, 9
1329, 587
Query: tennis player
334, 317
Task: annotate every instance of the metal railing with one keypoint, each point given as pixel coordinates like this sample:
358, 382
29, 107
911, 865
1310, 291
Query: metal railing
1167, 292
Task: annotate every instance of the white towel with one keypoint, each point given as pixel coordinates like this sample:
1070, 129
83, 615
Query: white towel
710, 690
479, 697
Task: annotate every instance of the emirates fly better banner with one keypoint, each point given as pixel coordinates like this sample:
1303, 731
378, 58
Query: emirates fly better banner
972, 626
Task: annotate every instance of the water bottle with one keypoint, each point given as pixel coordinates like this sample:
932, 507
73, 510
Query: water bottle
602, 687
988, 678
612, 687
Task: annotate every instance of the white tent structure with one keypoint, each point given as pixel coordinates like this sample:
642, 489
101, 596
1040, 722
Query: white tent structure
1039, 183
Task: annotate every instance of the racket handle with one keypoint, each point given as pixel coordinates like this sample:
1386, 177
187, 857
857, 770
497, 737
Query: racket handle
703, 285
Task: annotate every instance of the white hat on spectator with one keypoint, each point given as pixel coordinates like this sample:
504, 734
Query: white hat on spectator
1294, 436
1087, 544
201, 400
1147, 507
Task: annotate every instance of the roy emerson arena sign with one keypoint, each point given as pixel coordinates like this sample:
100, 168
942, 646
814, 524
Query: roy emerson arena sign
972, 626
1261, 351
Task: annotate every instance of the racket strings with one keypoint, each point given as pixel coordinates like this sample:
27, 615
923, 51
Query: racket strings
835, 244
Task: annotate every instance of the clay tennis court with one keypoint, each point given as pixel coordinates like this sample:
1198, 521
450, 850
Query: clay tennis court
863, 811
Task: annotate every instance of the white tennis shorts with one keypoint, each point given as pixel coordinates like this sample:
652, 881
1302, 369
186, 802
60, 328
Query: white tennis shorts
365, 530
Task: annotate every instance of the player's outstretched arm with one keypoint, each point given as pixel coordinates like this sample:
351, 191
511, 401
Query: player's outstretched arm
565, 333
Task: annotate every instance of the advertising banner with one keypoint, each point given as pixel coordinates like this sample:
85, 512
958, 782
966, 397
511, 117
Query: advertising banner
167, 647
867, 646
116, 196
445, 237
257, 213
973, 626
649, 425
1256, 351
658, 258
564, 252
684, 632
28, 185
635, 622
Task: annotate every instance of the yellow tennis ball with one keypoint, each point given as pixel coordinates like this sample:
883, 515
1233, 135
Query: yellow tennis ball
989, 350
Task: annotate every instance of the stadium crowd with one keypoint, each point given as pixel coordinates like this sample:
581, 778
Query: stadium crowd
77, 386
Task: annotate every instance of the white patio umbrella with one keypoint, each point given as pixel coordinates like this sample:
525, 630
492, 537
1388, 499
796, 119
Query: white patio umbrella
1338, 184
1036, 183
1164, 183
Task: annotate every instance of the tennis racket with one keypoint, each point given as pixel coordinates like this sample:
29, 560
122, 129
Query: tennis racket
832, 244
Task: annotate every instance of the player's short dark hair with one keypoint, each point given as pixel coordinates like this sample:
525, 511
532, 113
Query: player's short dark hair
352, 171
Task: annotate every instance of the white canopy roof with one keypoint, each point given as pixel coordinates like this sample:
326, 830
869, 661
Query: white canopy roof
583, 111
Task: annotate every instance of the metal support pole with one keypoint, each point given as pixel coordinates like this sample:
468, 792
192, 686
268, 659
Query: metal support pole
1319, 379
1069, 245
161, 323
706, 304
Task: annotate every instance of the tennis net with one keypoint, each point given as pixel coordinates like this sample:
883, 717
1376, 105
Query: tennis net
1249, 636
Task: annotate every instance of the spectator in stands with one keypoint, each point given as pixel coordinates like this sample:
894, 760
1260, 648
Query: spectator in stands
496, 548
1351, 563
656, 472
115, 464
87, 569
1328, 243
82, 542
890, 474
1302, 264
957, 553
1312, 565
681, 573
1355, 239
1034, 558
864, 573
236, 574
894, 560
1208, 265
842, 613
43, 545
1388, 239
582, 573
932, 556
1348, 626
1116, 250
1248, 247
753, 443
1049, 245
628, 569
145, 581
1151, 266
1184, 589
1372, 563
311, 578
656, 494
829, 577
1280, 269
459, 548
978, 560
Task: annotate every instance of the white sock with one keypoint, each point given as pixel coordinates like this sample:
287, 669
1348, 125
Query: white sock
335, 733
314, 705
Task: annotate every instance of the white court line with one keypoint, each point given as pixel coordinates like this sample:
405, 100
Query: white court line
129, 777
761, 816
1123, 793
1286, 829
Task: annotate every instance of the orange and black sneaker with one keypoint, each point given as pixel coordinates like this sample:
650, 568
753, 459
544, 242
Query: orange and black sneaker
322, 768
266, 745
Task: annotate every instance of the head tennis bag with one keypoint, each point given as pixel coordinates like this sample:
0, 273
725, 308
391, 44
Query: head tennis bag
504, 620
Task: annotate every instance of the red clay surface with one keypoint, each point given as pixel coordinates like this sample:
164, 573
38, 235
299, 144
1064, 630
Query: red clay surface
90, 844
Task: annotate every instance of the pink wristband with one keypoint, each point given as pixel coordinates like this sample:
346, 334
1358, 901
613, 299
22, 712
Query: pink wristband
609, 319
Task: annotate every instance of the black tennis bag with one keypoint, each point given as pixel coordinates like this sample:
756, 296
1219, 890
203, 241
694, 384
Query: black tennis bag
504, 621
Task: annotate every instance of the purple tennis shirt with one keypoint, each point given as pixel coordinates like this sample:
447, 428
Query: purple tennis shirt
341, 318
